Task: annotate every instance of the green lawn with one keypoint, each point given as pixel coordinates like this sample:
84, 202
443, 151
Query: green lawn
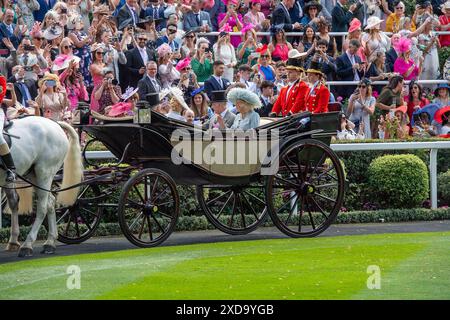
413, 266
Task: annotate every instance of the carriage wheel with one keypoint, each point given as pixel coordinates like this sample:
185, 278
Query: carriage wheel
306, 194
148, 208
78, 222
233, 209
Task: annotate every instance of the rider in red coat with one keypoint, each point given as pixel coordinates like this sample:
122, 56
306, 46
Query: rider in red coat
318, 96
292, 97
4, 149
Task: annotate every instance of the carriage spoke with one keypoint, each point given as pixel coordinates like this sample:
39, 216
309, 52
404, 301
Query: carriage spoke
291, 210
242, 210
292, 172
218, 197
164, 203
139, 193
256, 198
161, 194
154, 188
157, 223
149, 228
224, 205
85, 222
286, 181
319, 207
328, 185
322, 158
250, 206
286, 203
135, 220
283, 191
77, 227
68, 224
63, 216
142, 226
230, 224
168, 216
300, 216
325, 197
310, 215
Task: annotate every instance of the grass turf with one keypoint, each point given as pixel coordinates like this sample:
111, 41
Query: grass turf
413, 266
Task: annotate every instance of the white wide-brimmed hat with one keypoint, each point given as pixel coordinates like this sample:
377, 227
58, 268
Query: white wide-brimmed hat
177, 94
295, 54
129, 92
249, 97
53, 32
373, 22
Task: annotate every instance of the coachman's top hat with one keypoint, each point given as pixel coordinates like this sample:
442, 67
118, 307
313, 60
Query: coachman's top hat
315, 67
218, 96
152, 99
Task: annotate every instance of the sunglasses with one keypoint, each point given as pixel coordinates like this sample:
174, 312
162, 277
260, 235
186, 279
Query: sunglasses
100, 52
399, 8
142, 39
68, 47
265, 56
190, 37
362, 86
171, 31
41, 38
187, 69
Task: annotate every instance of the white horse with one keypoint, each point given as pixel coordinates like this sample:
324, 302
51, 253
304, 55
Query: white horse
40, 151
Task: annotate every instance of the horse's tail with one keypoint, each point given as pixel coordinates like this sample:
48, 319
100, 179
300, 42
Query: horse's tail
73, 168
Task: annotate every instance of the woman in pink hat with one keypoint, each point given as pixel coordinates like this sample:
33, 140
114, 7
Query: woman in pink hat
232, 18
404, 65
354, 32
254, 16
167, 71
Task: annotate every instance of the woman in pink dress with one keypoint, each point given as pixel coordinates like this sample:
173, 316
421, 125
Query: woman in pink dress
404, 65
233, 19
96, 69
254, 16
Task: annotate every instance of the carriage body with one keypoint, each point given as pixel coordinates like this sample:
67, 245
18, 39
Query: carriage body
292, 175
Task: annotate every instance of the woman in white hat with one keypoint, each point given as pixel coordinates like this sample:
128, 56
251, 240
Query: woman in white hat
245, 102
374, 40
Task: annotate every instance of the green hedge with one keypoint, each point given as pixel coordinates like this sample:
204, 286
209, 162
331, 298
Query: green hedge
197, 223
444, 187
399, 181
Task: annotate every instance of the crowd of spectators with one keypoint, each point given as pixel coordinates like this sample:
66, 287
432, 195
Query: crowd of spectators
112, 53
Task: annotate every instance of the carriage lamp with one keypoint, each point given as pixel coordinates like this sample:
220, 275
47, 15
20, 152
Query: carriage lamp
143, 113
81, 113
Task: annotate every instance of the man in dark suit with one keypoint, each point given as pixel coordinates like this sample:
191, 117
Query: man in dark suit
340, 19
137, 59
25, 90
149, 83
349, 68
10, 30
128, 14
44, 6
391, 54
281, 17
296, 12
156, 11
197, 20
267, 98
216, 82
219, 7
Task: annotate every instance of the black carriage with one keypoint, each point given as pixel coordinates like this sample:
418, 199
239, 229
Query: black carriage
301, 189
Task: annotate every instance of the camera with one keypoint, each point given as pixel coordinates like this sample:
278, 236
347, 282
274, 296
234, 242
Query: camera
29, 48
63, 10
208, 50
114, 39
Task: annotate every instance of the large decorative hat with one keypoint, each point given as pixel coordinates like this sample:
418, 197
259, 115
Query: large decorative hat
226, 28
129, 92
441, 86
245, 95
218, 96
188, 34
227, 2
198, 91
315, 67
177, 94
183, 63
312, 4
355, 24
102, 9
53, 32
48, 76
247, 27
442, 114
403, 45
373, 22
445, 6
95, 46
262, 50
72, 21
62, 62
164, 49
403, 109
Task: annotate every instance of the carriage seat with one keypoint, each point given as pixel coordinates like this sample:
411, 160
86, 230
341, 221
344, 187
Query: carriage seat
104, 118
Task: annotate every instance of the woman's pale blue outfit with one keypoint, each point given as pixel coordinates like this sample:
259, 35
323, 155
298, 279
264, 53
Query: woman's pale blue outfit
251, 121
440, 102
